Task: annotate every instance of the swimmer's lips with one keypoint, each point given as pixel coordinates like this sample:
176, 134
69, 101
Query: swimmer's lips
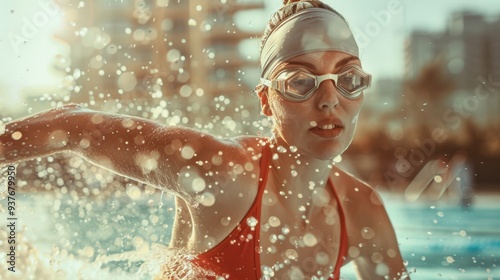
329, 128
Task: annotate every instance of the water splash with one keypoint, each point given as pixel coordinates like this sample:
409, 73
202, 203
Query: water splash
168, 263
33, 264
160, 203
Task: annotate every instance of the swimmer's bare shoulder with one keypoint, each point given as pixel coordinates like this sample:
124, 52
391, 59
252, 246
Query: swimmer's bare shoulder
372, 243
231, 175
353, 190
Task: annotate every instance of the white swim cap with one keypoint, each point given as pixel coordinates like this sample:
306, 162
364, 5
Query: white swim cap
310, 30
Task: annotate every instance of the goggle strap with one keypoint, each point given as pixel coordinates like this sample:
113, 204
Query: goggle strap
276, 84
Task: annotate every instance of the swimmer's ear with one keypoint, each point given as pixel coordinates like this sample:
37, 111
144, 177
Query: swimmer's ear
261, 91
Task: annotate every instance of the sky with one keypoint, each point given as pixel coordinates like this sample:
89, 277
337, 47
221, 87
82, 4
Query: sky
28, 50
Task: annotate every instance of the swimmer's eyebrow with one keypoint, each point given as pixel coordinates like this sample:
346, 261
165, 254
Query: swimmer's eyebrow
341, 63
345, 61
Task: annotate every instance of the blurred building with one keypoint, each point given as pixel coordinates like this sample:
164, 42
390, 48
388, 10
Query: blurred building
469, 48
469, 52
158, 57
493, 38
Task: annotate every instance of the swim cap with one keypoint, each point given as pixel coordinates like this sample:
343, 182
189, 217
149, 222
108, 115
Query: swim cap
310, 30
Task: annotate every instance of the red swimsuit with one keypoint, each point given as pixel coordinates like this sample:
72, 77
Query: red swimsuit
237, 256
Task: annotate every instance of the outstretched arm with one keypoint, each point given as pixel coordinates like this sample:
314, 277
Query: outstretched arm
134, 147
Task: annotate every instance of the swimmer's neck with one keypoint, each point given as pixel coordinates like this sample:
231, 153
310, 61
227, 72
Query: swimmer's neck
294, 171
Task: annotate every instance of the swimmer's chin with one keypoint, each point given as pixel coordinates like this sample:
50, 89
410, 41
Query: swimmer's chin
330, 158
333, 157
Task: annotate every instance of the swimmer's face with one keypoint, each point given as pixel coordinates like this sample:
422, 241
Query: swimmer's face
322, 126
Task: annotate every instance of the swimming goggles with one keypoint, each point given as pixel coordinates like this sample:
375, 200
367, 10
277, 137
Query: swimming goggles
298, 85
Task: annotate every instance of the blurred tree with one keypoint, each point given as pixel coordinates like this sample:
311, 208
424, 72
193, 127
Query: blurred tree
433, 83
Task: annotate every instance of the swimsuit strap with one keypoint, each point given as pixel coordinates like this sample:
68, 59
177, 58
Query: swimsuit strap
264, 171
343, 235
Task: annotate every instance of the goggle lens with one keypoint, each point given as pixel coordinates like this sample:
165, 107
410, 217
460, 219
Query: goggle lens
299, 85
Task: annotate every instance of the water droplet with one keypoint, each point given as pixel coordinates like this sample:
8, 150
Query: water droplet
127, 81
133, 192
294, 173
147, 162
285, 230
321, 197
310, 240
198, 185
185, 91
58, 138
302, 208
274, 221
187, 152
87, 251
293, 149
337, 159
391, 253
377, 257
252, 221
206, 199
273, 238
382, 269
225, 221
272, 249
367, 233
291, 254
353, 252
281, 149
17, 135
322, 258
438, 179
267, 272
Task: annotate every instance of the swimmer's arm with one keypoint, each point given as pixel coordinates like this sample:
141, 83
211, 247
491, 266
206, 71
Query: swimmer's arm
380, 255
137, 148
